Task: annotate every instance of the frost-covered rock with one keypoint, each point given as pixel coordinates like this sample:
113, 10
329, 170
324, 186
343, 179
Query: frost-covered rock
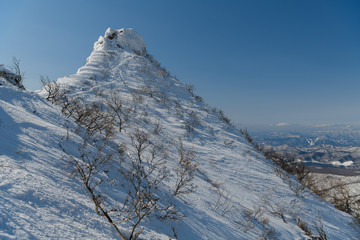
121, 38
6, 76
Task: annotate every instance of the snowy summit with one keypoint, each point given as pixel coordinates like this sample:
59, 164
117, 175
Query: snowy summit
149, 160
122, 38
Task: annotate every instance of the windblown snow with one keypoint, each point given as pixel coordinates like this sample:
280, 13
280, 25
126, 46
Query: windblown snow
237, 195
122, 38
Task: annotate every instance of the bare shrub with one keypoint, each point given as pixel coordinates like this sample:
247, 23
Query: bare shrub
223, 203
71, 107
320, 230
198, 99
143, 177
246, 221
137, 97
121, 110
163, 98
161, 70
141, 182
224, 118
185, 171
99, 92
138, 170
256, 217
90, 116
54, 92
276, 209
15, 67
305, 227
190, 88
175, 236
147, 90
338, 193
267, 233
157, 127
228, 142
191, 122
285, 166
341, 198
91, 161
247, 135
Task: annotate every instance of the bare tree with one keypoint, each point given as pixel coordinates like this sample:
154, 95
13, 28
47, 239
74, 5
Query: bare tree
305, 227
256, 217
121, 110
191, 122
185, 171
339, 194
143, 177
92, 160
319, 226
135, 172
17, 70
276, 209
138, 170
54, 92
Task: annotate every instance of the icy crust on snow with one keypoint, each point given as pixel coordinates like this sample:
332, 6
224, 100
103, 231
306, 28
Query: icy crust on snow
121, 38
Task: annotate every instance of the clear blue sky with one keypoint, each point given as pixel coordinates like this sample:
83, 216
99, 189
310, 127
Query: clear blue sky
260, 61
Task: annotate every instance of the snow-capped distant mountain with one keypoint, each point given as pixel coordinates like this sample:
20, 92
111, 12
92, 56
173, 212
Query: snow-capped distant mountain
308, 135
145, 116
321, 146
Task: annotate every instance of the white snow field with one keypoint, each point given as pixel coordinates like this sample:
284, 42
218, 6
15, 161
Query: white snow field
237, 195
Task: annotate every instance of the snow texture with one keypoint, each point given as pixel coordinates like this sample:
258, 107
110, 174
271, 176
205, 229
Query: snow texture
39, 200
122, 38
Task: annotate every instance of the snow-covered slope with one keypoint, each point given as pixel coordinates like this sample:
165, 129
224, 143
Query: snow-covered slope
237, 195
38, 200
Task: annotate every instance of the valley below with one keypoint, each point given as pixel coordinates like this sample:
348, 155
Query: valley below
333, 149
331, 154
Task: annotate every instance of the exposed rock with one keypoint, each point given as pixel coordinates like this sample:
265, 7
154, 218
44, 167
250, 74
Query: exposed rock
6, 76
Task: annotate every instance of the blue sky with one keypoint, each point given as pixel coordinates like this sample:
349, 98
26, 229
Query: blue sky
259, 61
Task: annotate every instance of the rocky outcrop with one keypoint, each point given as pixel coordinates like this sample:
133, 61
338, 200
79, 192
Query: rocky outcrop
6, 76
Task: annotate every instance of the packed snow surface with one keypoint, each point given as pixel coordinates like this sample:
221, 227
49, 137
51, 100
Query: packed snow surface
39, 199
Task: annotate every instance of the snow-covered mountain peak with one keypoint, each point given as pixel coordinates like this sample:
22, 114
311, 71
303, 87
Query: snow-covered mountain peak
232, 191
121, 38
119, 55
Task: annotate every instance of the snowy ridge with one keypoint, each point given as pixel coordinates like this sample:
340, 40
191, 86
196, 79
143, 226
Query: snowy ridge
232, 178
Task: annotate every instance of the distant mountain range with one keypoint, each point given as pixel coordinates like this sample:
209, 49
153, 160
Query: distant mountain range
319, 146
